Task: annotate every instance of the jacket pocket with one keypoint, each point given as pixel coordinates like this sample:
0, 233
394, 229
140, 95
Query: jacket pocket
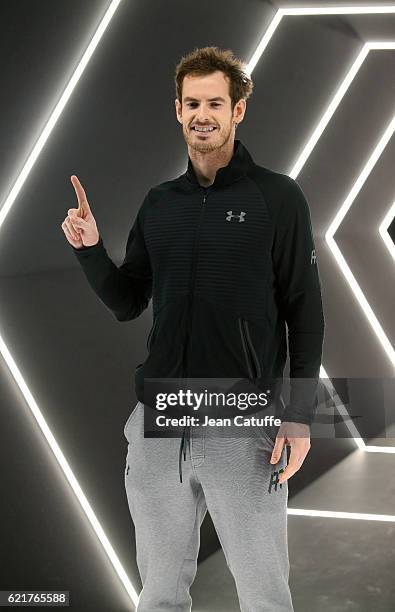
151, 334
250, 356
262, 432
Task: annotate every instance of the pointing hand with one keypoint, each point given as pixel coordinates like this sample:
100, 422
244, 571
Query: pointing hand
80, 226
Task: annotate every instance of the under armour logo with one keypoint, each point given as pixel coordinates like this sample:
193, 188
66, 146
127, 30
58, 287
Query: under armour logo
313, 257
274, 480
231, 216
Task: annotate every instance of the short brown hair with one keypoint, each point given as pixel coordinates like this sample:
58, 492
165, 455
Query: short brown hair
207, 60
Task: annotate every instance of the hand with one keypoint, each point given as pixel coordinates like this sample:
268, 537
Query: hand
79, 226
297, 436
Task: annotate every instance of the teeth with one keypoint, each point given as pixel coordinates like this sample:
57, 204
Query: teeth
199, 129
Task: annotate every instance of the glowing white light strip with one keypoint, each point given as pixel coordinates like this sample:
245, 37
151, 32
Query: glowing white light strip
359, 516
342, 410
338, 10
57, 111
24, 174
66, 469
368, 311
310, 10
323, 122
371, 317
379, 45
3, 348
383, 229
370, 448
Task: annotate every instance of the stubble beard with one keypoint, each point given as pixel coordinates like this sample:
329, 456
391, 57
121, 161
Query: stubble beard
219, 140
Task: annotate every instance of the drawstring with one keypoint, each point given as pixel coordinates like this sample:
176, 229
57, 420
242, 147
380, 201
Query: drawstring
184, 439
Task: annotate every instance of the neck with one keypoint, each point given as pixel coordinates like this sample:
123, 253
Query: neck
206, 165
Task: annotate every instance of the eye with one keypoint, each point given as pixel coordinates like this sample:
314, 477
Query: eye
194, 104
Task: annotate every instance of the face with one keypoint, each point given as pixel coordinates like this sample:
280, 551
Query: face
200, 109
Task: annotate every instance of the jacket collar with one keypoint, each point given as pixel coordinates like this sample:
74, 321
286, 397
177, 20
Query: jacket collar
237, 167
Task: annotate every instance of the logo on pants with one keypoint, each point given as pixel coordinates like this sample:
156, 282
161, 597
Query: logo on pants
274, 480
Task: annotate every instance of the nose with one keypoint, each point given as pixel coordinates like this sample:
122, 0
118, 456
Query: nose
202, 115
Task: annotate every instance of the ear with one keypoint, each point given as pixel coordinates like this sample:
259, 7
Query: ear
239, 110
178, 110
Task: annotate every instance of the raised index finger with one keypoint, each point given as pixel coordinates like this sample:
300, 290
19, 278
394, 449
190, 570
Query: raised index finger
79, 190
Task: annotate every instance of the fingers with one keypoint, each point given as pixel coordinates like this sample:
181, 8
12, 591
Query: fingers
73, 231
297, 436
79, 190
296, 458
83, 206
70, 236
294, 464
278, 449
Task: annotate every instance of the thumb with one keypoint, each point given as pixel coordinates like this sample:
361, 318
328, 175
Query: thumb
277, 450
83, 211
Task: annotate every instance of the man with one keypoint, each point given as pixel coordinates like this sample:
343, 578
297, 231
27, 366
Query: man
227, 254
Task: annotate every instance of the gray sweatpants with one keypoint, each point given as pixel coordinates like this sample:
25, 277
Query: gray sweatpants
231, 477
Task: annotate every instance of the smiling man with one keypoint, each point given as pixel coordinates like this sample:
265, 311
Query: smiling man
227, 254
208, 123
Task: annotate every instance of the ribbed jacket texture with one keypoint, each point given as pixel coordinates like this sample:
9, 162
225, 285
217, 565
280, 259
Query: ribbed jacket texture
229, 268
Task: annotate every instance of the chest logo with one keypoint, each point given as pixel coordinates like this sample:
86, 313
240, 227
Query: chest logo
313, 258
230, 216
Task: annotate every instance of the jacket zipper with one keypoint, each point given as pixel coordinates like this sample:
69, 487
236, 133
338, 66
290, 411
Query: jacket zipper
192, 283
252, 360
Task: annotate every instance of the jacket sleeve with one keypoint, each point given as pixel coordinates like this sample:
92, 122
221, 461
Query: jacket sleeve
299, 285
127, 290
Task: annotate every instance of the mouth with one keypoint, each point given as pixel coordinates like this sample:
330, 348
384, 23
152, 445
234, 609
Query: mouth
203, 132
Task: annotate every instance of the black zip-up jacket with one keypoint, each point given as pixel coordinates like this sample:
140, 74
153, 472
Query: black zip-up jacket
227, 268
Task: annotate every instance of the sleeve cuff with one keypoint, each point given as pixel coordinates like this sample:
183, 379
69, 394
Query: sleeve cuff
295, 415
88, 249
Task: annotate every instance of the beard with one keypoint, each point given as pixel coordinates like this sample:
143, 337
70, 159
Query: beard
217, 139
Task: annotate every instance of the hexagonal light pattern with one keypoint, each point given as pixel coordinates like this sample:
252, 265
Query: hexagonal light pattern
341, 213
282, 12
309, 146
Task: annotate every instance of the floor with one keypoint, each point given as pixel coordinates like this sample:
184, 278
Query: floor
337, 564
